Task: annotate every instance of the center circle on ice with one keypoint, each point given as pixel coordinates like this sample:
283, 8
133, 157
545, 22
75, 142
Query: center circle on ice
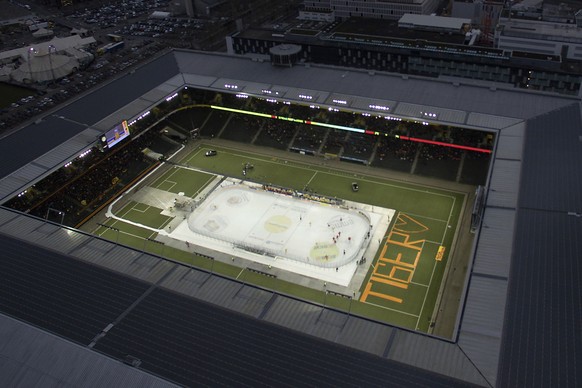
277, 224
234, 200
323, 251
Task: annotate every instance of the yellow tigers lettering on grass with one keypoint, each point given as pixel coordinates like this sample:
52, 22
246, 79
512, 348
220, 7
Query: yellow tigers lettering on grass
400, 243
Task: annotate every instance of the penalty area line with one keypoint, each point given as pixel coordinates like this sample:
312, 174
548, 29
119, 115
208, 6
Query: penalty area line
165, 176
139, 210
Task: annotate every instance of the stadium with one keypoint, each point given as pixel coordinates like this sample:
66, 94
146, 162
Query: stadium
210, 219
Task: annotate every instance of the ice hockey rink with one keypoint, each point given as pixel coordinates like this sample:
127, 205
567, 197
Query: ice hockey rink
320, 240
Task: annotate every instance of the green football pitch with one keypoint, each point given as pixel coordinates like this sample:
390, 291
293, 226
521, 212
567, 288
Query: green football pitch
403, 279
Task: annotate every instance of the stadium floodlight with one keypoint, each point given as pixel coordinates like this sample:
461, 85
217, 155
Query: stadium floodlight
144, 114
270, 92
170, 98
378, 107
429, 114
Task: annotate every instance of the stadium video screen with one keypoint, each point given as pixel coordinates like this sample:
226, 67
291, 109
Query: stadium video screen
116, 134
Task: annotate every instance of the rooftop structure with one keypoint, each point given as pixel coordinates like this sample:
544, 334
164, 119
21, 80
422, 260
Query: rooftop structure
153, 314
434, 23
376, 9
539, 37
377, 45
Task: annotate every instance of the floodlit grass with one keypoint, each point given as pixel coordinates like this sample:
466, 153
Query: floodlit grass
181, 180
404, 276
144, 214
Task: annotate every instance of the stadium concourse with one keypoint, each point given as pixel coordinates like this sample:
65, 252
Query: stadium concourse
80, 310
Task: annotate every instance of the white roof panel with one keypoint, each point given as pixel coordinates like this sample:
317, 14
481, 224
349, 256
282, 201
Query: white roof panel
11, 185
509, 147
490, 121
198, 80
485, 306
435, 355
32, 357
306, 95
256, 88
363, 103
504, 184
480, 335
493, 254
426, 112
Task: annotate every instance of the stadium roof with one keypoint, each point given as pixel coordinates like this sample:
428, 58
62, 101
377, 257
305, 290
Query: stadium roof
520, 324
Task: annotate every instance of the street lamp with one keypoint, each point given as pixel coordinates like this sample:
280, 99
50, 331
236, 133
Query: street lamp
51, 49
30, 52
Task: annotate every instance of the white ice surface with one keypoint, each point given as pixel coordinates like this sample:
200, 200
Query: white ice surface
285, 232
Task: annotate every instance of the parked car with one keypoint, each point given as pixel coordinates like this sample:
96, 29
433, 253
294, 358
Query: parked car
210, 153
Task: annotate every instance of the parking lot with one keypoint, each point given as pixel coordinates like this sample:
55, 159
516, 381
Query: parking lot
144, 34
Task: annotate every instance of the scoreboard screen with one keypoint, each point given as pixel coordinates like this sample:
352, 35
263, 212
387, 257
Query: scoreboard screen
115, 134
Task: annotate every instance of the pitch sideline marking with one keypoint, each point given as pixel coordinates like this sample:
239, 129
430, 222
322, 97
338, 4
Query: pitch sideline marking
426, 294
419, 284
448, 222
340, 175
191, 155
428, 218
391, 309
308, 182
159, 181
204, 186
